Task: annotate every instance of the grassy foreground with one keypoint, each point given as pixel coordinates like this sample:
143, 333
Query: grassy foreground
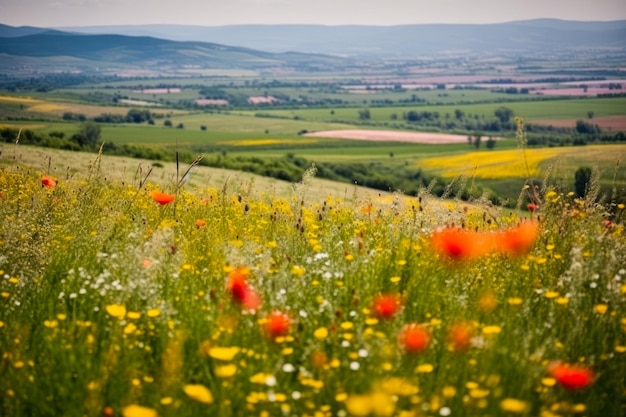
232, 303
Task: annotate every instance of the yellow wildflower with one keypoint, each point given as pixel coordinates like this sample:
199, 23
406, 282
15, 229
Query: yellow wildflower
225, 371
130, 328
261, 378
491, 330
341, 397
116, 310
321, 333
448, 392
223, 353
601, 308
512, 405
198, 393
359, 405
424, 368
297, 271
134, 410
479, 393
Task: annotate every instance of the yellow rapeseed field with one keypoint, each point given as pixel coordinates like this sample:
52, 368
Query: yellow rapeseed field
89, 111
511, 164
21, 126
19, 100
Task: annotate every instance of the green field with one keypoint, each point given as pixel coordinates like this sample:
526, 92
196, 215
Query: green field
532, 110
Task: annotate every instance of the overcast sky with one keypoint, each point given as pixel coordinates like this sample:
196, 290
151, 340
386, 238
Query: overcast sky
57, 13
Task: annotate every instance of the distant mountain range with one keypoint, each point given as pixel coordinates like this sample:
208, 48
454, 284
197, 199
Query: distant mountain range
392, 41
305, 47
146, 51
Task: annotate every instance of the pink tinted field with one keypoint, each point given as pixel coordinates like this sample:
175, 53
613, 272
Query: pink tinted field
391, 136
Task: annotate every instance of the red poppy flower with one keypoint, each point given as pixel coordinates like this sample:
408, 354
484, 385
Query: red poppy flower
385, 306
461, 244
532, 207
460, 336
200, 223
47, 181
414, 338
571, 377
241, 291
277, 324
162, 198
520, 239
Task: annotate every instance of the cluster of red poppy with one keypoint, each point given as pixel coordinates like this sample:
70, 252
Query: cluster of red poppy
276, 324
462, 244
415, 338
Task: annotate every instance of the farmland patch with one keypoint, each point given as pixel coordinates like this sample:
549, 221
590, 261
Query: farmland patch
392, 136
157, 91
511, 163
19, 100
262, 100
21, 126
268, 142
211, 102
617, 123
490, 165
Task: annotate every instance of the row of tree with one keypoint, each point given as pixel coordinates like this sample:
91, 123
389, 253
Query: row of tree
502, 122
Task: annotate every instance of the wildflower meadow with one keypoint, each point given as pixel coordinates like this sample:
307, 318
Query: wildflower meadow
138, 300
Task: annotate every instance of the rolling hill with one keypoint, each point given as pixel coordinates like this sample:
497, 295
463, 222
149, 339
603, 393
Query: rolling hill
149, 51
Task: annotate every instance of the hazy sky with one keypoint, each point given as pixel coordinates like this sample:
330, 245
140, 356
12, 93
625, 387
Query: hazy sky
329, 12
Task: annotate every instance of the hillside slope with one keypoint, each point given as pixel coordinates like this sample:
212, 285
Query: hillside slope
152, 51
